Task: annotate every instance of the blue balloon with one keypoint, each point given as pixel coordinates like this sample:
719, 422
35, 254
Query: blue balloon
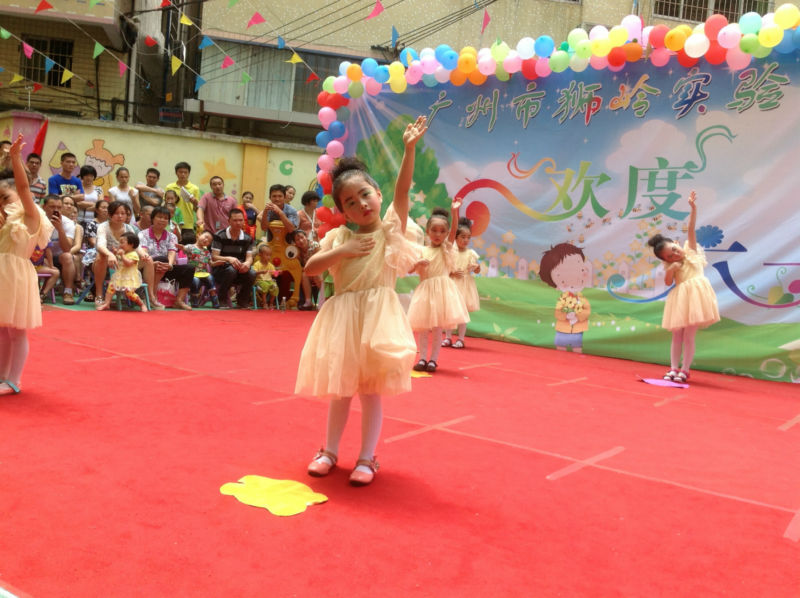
796, 37
369, 66
787, 43
407, 55
323, 139
382, 74
441, 50
336, 129
544, 46
429, 80
343, 66
449, 60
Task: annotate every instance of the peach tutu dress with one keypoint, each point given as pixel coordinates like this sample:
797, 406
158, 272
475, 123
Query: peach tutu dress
436, 302
466, 260
20, 306
360, 341
692, 302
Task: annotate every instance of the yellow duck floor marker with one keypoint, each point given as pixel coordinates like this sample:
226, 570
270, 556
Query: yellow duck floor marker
415, 374
279, 497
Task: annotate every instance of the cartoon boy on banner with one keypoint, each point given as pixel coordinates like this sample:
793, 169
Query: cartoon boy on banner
564, 267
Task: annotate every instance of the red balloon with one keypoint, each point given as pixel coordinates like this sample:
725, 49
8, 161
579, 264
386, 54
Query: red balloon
479, 214
715, 53
529, 68
685, 60
657, 36
713, 25
616, 57
322, 98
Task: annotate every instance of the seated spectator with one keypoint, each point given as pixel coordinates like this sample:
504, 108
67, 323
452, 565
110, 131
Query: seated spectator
62, 240
289, 191
276, 209
308, 215
37, 184
231, 260
70, 208
126, 277
198, 256
90, 196
43, 262
144, 218
64, 182
109, 234
162, 248
175, 214
214, 207
306, 248
266, 287
90, 237
150, 194
125, 193
250, 214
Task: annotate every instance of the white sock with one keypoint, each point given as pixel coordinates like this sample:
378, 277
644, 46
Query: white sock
437, 333
338, 412
13, 353
462, 330
371, 424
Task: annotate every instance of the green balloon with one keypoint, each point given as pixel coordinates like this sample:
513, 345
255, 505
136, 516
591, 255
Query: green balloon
761, 52
501, 74
327, 201
356, 89
564, 46
559, 61
749, 43
584, 49
327, 84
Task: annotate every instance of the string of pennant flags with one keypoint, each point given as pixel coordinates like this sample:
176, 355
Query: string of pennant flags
175, 62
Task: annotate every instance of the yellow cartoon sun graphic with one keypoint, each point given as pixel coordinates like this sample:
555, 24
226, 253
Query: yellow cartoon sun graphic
217, 169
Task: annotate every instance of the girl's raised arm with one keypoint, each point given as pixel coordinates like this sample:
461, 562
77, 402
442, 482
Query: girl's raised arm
454, 219
413, 133
692, 220
23, 187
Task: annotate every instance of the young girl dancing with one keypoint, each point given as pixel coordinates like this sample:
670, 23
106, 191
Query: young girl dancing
436, 303
360, 341
466, 264
692, 304
127, 277
23, 226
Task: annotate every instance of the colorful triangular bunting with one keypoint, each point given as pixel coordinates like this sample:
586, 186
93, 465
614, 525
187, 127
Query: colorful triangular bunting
98, 49
232, 3
395, 36
93, 3
377, 9
312, 77
165, 3
227, 61
150, 42
66, 76
246, 78
176, 64
256, 19
16, 78
294, 59
28, 49
4, 34
186, 20
281, 43
122, 68
36, 87
43, 5
198, 83
205, 42
49, 63
486, 19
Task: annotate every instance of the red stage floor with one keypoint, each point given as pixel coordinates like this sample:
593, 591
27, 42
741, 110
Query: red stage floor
514, 471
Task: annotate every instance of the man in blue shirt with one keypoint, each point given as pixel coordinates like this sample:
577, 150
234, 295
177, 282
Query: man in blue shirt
64, 183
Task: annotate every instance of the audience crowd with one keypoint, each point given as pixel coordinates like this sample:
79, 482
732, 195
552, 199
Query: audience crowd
193, 248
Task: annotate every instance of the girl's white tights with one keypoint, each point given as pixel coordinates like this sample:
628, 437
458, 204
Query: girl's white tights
371, 422
13, 353
462, 330
435, 336
682, 341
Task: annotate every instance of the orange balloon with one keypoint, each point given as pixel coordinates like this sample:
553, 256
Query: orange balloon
457, 78
467, 63
633, 51
477, 78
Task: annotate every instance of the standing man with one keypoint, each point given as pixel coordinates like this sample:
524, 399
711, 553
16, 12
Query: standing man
150, 194
38, 184
231, 261
214, 207
61, 245
188, 194
64, 183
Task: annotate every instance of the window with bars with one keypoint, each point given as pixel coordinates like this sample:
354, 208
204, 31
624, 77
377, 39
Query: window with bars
700, 10
35, 67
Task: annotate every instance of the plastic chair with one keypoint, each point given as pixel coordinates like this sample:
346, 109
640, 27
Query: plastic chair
44, 276
120, 294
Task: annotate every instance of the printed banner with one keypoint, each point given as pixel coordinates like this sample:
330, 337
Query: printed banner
602, 161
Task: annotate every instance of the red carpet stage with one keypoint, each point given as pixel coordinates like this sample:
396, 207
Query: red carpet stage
514, 471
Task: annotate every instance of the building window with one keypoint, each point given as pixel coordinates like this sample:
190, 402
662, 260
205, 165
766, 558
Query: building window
34, 68
700, 10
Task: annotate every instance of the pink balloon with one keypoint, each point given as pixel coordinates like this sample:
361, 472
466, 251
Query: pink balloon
659, 56
729, 35
326, 116
543, 67
372, 86
442, 75
487, 66
414, 71
335, 149
341, 84
429, 65
737, 59
325, 162
616, 69
598, 62
512, 63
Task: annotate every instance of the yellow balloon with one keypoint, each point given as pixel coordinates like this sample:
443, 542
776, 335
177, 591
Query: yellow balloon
675, 39
618, 35
787, 16
396, 69
601, 46
467, 63
398, 85
770, 36
469, 50
687, 31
